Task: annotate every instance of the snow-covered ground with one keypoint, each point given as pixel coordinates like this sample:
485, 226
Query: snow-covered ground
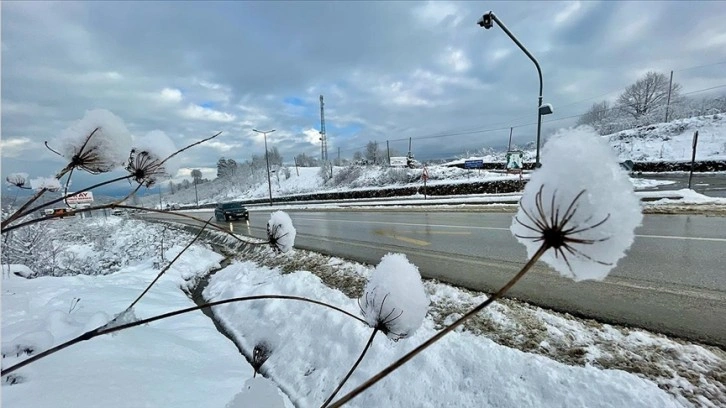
184, 361
313, 348
179, 362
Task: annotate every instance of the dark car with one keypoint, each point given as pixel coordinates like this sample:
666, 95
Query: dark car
231, 211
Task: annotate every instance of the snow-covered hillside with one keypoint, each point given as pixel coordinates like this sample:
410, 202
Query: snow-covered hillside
672, 141
660, 142
306, 180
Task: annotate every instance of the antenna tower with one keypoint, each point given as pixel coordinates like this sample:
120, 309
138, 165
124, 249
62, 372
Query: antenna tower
323, 137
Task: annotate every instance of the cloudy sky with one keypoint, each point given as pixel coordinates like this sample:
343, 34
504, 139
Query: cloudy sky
388, 70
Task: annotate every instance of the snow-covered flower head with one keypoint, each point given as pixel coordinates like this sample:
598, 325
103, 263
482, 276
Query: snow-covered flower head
280, 232
394, 300
45, 183
149, 159
98, 143
17, 179
580, 205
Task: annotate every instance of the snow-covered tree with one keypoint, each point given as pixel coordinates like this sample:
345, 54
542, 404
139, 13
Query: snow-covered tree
647, 94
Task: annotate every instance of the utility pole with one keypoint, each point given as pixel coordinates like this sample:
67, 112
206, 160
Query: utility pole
509, 146
388, 152
338, 155
267, 160
670, 88
323, 137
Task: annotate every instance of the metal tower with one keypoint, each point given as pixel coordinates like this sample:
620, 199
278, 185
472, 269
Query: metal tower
323, 138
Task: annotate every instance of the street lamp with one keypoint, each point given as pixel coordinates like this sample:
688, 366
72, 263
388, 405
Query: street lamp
267, 159
487, 21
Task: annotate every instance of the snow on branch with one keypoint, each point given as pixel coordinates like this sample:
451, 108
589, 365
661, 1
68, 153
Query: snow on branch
280, 232
17, 179
580, 204
394, 300
45, 183
98, 143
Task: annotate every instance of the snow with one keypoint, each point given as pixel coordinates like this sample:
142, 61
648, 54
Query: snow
158, 145
110, 145
394, 300
182, 361
17, 179
47, 183
605, 215
280, 231
673, 141
16, 269
687, 196
670, 141
259, 392
319, 345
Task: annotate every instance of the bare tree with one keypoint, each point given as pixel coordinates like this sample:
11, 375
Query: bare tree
647, 95
373, 154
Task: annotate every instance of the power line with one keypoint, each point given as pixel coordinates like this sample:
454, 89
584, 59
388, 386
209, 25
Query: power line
699, 66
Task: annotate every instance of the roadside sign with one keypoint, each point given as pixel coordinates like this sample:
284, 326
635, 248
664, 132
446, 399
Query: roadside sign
85, 197
474, 164
425, 174
514, 161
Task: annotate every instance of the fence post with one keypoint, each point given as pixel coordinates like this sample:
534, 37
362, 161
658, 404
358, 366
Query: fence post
693, 158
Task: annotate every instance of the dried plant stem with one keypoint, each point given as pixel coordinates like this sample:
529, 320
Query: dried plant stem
166, 268
129, 207
36, 208
17, 214
352, 369
107, 330
403, 360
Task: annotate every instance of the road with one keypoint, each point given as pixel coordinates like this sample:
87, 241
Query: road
710, 184
672, 281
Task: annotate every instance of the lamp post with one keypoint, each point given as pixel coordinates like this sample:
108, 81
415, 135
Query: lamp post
267, 160
487, 21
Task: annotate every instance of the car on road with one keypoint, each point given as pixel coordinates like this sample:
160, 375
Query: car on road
231, 211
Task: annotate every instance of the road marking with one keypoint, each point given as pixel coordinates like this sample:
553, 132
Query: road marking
500, 228
391, 234
686, 238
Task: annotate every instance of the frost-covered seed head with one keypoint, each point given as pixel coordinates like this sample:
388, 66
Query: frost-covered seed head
280, 232
145, 167
51, 184
394, 300
17, 179
98, 143
580, 205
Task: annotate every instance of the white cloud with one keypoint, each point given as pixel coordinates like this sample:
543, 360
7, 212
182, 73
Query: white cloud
170, 95
201, 113
12, 147
456, 60
436, 12
568, 11
222, 146
312, 136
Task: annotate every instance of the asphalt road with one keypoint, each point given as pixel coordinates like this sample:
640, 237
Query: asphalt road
710, 184
672, 281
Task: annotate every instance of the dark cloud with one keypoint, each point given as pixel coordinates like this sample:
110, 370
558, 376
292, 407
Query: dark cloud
388, 70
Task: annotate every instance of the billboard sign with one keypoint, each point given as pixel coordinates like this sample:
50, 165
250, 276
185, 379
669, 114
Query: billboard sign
85, 197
